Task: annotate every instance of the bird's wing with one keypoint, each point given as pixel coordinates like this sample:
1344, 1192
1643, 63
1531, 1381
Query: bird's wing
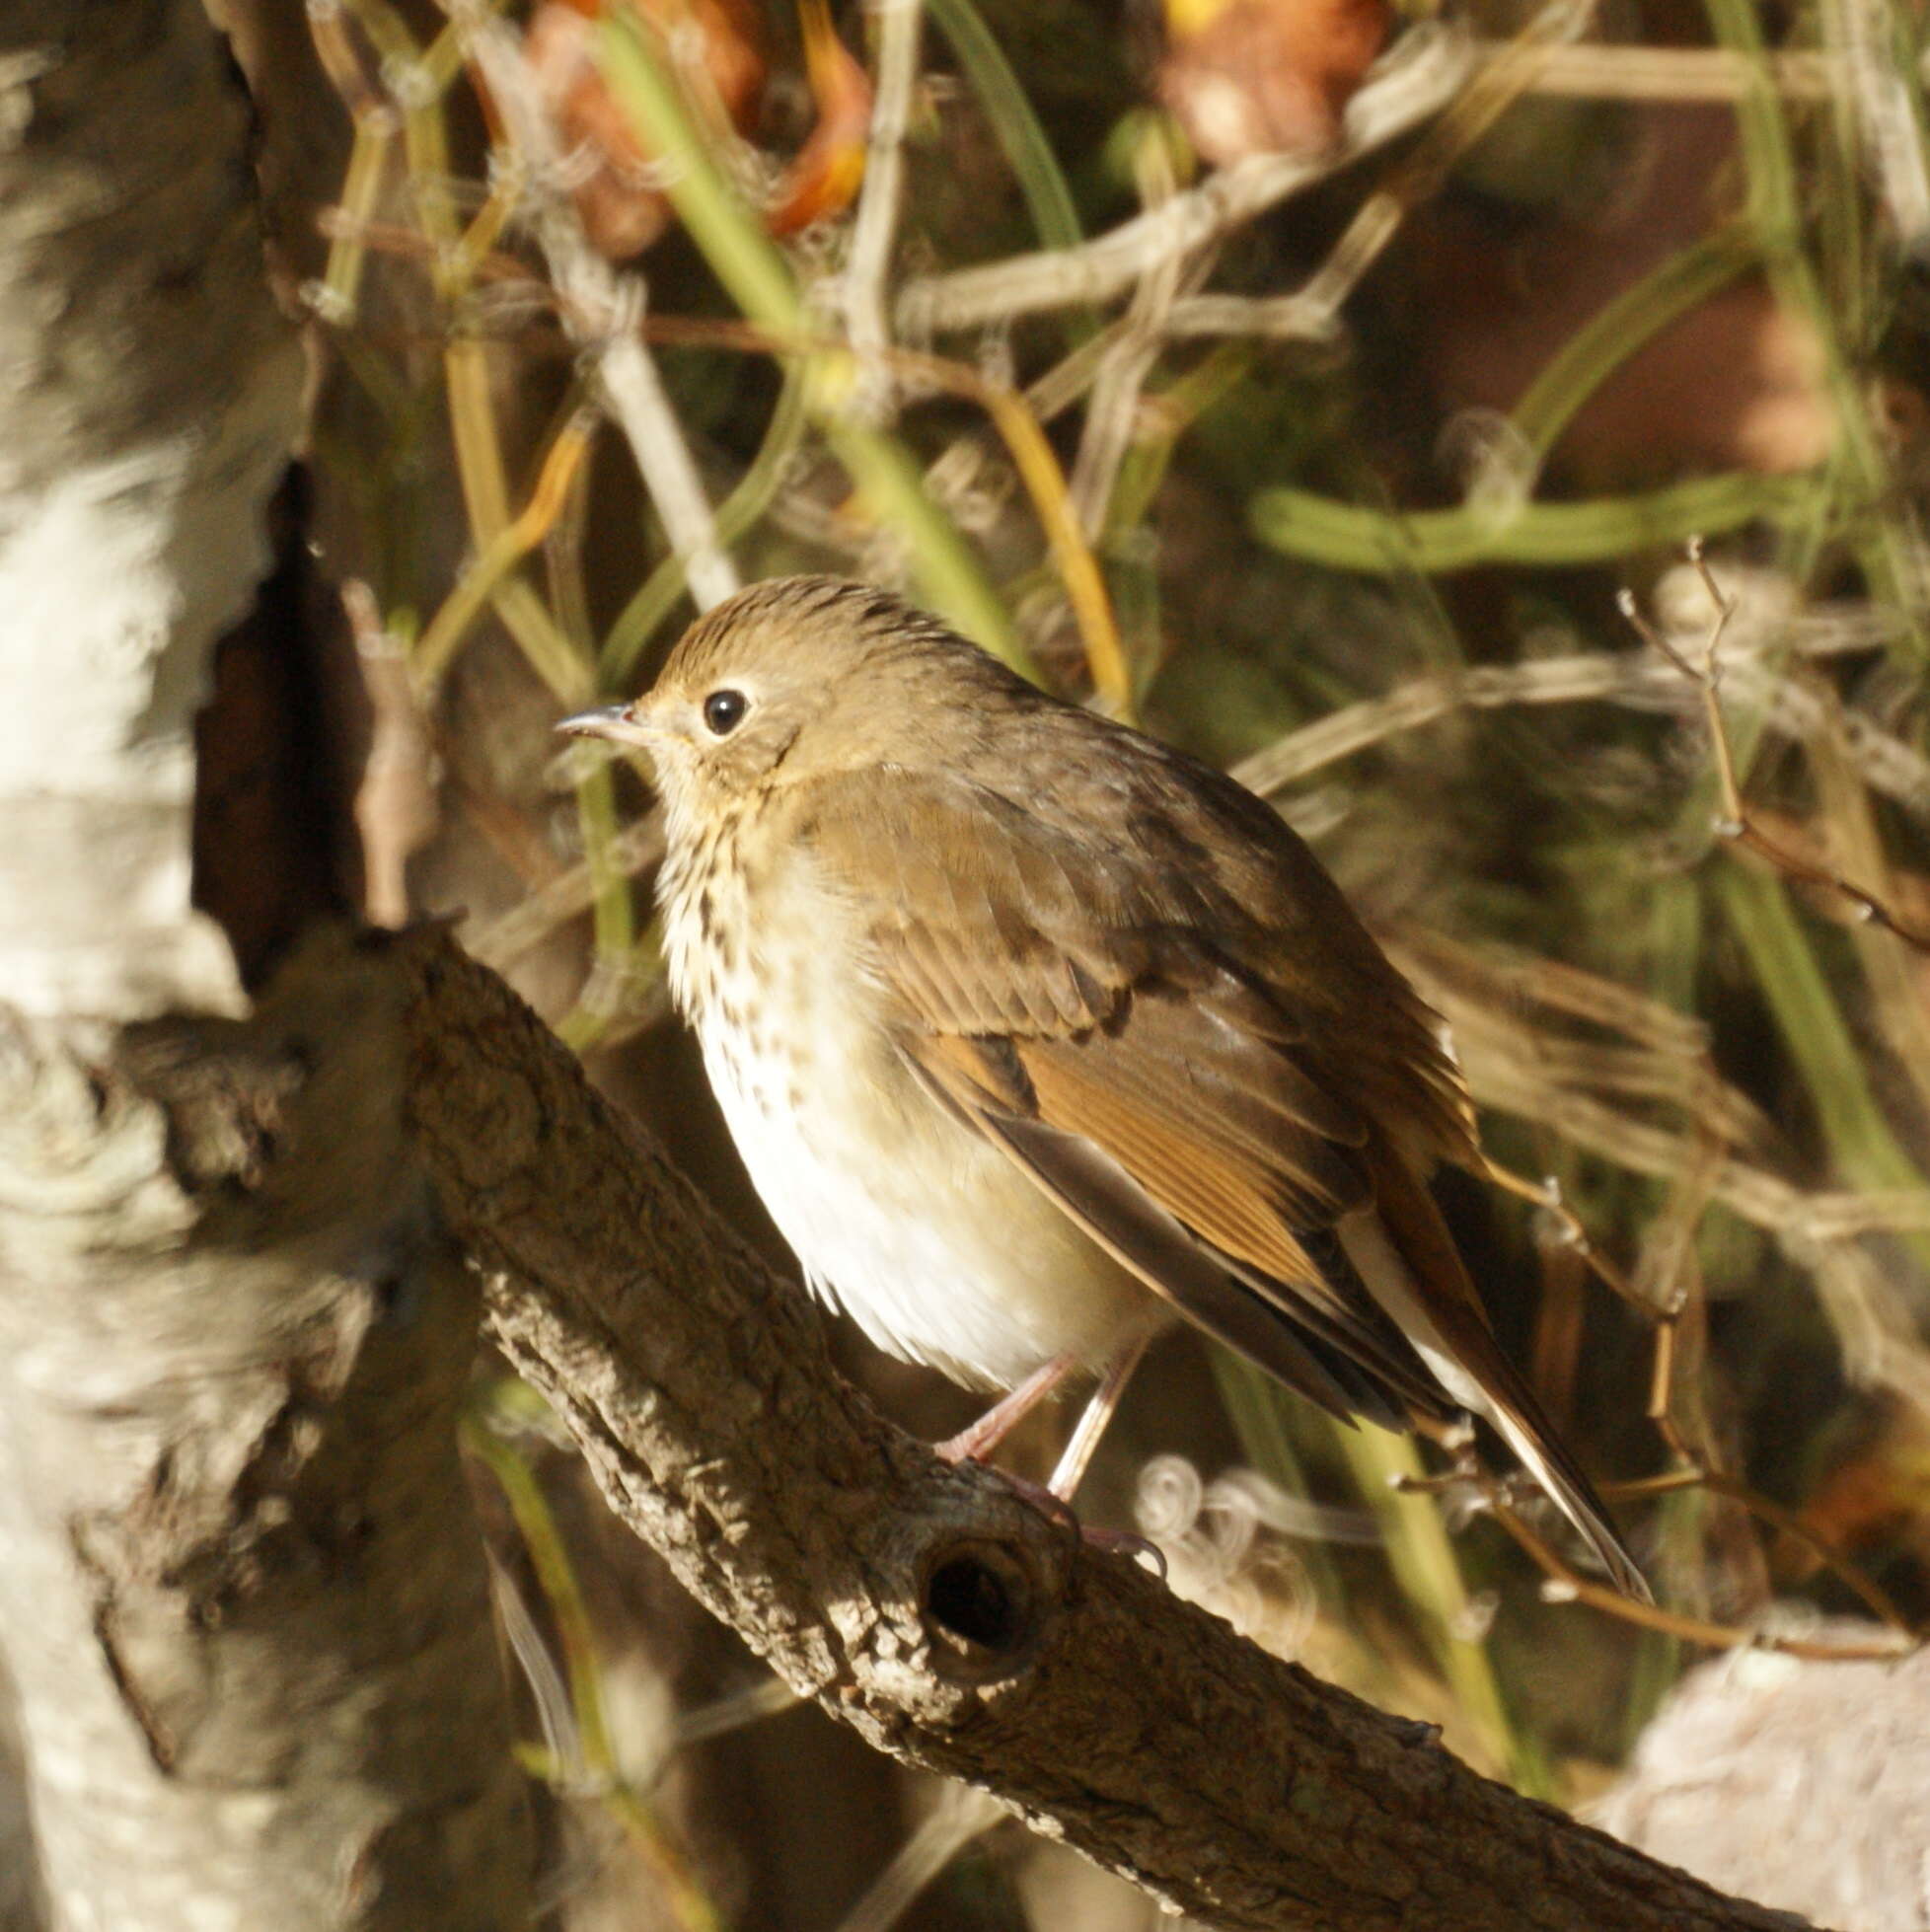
1147, 991
1205, 1107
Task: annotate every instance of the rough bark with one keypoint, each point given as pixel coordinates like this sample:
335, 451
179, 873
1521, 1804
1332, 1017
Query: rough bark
243, 1597
924, 1605
244, 1612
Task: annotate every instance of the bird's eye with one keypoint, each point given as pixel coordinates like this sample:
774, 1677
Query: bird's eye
724, 711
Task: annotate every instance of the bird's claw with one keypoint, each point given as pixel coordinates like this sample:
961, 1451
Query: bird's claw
1060, 1513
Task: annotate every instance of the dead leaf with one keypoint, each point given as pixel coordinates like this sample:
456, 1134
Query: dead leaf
1266, 76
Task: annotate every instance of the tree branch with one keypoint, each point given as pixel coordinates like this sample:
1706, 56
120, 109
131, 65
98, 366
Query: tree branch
926, 1605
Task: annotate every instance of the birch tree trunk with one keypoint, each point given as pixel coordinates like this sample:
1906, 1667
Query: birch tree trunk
243, 1602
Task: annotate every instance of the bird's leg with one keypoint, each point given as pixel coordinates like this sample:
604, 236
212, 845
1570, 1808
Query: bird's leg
1077, 1453
1053, 1500
973, 1442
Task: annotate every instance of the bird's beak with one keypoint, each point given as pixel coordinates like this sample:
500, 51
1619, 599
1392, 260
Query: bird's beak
615, 722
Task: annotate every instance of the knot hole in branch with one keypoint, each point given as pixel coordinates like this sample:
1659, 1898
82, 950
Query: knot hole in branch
983, 1604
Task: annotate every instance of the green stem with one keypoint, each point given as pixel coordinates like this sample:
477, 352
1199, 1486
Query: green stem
1860, 1143
1034, 166
361, 192
1430, 1577
1619, 329
1256, 1405
1417, 1546
615, 919
759, 281
1351, 537
557, 1576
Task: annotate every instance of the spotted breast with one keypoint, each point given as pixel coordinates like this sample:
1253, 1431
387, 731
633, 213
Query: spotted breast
933, 1243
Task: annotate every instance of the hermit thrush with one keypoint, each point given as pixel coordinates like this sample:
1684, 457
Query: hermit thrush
1033, 1032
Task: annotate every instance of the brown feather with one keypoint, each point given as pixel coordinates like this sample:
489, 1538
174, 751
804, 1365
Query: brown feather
1201, 1085
1098, 1192
1413, 1224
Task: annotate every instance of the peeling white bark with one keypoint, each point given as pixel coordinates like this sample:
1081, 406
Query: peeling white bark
148, 397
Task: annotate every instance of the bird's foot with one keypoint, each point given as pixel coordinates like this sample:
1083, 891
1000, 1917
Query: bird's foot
1124, 1542
1061, 1515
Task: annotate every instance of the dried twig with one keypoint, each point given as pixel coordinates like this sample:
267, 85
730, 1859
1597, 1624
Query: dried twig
1565, 1585
1636, 73
1697, 1475
506, 548
1885, 104
341, 61
635, 850
1562, 1584
1293, 318
959, 1816
396, 810
600, 309
1111, 414
1886, 764
1733, 821
1425, 71
1546, 1197
867, 269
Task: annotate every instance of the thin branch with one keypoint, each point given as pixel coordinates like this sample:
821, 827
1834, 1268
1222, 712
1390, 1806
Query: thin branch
1546, 1196
395, 807
1295, 317
600, 309
1733, 821
1886, 763
1884, 99
1496, 1496
1426, 71
960, 1816
1564, 1586
1878, 1600
875, 226
1509, 1069
504, 939
1663, 1309
1111, 415
502, 553
1683, 74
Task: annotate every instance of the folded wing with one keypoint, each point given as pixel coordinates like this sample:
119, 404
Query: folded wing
1151, 997
1158, 1080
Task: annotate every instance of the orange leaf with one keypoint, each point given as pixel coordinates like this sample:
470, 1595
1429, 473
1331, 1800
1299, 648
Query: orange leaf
823, 178
621, 210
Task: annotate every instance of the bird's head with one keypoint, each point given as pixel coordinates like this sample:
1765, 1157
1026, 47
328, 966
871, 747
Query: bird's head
793, 679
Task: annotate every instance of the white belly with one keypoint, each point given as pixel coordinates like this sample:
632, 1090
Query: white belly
939, 1248
934, 1243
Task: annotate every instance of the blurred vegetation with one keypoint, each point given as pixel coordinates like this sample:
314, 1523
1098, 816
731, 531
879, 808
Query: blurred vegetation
1371, 468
